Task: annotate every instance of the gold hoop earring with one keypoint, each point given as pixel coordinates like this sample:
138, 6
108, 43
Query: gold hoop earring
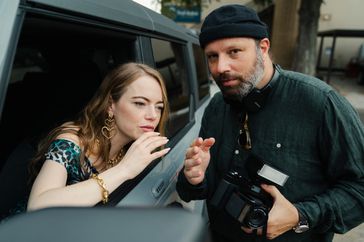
109, 127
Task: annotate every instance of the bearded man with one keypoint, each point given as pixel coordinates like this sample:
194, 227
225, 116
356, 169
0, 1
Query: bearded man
265, 125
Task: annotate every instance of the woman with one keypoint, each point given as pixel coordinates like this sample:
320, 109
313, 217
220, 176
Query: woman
112, 141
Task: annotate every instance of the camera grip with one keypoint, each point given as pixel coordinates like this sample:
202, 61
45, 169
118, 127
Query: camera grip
222, 194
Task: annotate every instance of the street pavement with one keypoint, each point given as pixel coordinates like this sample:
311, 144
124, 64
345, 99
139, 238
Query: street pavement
354, 92
349, 88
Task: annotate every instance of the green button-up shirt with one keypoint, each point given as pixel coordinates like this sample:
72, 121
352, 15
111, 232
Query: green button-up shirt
306, 130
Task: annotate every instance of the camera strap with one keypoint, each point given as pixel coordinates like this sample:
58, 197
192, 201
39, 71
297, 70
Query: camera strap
264, 232
263, 237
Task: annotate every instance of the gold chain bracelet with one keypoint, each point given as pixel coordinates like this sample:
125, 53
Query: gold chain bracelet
104, 192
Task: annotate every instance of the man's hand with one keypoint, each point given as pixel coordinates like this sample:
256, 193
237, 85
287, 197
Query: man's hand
282, 217
197, 160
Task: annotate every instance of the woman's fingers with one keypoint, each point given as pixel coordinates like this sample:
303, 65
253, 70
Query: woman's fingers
149, 141
146, 136
140, 154
154, 142
160, 153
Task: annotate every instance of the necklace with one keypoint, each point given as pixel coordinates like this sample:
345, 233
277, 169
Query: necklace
244, 136
116, 160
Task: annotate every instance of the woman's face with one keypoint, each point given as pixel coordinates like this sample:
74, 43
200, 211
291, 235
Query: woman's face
139, 109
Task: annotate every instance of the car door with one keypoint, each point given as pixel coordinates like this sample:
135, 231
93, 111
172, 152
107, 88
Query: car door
54, 61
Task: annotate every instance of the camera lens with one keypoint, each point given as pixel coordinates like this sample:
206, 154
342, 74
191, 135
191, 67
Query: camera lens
257, 218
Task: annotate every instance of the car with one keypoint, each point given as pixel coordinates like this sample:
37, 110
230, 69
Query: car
112, 224
51, 47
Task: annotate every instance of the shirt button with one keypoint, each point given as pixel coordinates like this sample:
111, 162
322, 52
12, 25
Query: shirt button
279, 145
236, 152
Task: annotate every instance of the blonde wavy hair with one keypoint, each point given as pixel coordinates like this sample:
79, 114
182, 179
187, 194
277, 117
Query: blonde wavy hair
91, 119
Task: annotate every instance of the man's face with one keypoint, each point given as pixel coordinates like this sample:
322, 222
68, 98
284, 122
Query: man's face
236, 65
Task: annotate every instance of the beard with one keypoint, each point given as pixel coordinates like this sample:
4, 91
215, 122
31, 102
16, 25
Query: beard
247, 83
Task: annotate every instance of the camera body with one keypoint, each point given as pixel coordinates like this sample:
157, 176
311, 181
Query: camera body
243, 198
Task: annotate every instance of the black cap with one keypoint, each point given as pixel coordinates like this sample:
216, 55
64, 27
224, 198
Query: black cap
232, 21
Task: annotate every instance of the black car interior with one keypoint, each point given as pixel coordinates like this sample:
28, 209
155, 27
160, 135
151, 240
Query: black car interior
57, 68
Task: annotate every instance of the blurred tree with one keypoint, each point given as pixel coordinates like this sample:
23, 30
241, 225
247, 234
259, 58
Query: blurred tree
304, 59
305, 53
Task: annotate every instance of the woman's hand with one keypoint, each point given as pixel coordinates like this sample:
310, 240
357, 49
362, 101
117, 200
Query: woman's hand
142, 152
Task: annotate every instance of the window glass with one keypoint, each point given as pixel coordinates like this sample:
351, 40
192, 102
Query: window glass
202, 72
170, 63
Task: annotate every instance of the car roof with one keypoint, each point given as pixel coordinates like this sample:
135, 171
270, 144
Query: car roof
125, 11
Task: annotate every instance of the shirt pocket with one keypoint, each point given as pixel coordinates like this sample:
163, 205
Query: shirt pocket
295, 157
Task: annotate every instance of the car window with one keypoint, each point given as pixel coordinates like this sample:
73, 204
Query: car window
202, 72
57, 67
170, 62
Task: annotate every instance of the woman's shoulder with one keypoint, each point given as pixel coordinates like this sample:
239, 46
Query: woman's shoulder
69, 138
69, 132
65, 150
61, 146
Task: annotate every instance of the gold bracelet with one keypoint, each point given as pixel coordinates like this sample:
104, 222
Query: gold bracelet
104, 192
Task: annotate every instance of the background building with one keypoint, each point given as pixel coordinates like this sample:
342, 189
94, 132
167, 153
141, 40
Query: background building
282, 18
335, 14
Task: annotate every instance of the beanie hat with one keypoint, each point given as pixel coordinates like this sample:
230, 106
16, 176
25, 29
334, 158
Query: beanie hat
232, 21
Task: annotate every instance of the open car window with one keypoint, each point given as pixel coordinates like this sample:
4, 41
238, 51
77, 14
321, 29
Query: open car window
59, 62
58, 65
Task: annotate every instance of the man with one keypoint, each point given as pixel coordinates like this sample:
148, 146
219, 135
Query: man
294, 123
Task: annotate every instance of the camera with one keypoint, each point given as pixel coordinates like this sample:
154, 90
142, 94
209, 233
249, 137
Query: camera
242, 197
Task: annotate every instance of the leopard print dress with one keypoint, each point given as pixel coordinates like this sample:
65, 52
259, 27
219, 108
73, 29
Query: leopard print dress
68, 154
